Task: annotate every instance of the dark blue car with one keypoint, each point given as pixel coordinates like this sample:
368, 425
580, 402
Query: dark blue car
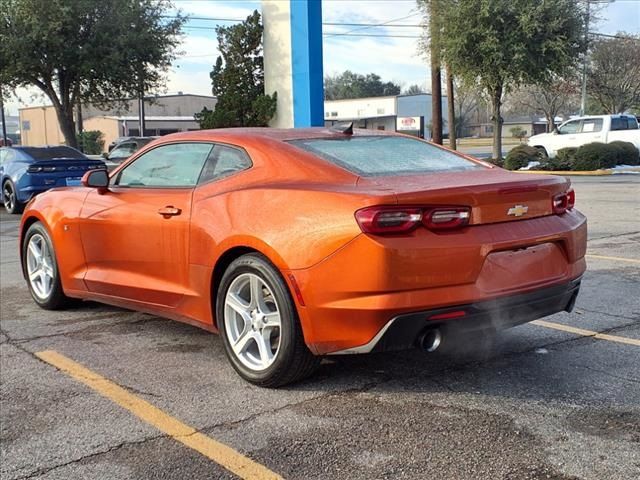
27, 171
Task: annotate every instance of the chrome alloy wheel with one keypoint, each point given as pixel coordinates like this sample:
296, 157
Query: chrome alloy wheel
40, 267
8, 196
252, 321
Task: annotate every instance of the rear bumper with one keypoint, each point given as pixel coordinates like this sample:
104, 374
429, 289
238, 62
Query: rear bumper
402, 332
352, 295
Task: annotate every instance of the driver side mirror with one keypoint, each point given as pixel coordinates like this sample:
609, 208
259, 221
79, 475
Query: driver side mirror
96, 179
556, 131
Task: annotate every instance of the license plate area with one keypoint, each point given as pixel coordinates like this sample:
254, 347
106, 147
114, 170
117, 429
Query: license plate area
73, 181
513, 269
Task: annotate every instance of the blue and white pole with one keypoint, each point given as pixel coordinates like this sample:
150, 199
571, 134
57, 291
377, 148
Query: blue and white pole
293, 61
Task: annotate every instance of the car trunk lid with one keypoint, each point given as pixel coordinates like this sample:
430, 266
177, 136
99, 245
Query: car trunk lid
493, 195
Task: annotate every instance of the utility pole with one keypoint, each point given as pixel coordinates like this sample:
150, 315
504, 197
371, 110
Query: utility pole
583, 100
4, 123
141, 125
436, 79
453, 144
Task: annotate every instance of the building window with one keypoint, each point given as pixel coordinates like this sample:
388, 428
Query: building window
381, 111
334, 114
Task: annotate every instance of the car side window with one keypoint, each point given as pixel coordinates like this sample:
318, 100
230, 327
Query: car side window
123, 151
632, 123
570, 127
591, 125
224, 161
618, 123
6, 155
175, 165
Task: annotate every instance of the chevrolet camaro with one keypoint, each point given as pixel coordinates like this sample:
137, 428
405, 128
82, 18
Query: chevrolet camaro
299, 243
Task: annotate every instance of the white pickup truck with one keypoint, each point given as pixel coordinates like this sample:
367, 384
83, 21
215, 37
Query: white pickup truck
579, 131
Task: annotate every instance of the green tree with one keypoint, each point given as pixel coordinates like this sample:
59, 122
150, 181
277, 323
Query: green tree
354, 85
613, 80
413, 90
238, 79
502, 44
95, 51
91, 142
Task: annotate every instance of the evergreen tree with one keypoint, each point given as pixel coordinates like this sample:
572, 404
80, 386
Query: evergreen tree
238, 79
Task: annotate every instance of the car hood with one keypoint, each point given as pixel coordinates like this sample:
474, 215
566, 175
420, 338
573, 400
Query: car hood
540, 137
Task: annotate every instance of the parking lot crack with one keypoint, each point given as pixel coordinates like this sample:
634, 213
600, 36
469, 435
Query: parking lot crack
611, 236
606, 314
597, 370
42, 471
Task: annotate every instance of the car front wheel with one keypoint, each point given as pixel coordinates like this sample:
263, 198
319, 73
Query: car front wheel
259, 324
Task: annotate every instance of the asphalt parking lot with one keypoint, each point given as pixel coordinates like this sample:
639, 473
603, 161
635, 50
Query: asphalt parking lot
150, 398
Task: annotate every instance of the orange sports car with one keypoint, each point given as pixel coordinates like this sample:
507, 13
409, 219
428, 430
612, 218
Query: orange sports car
298, 243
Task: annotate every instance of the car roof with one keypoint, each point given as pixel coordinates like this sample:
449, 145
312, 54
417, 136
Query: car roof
279, 134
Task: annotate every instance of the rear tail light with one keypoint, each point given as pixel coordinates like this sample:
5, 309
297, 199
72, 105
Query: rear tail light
563, 202
388, 220
571, 199
446, 219
392, 220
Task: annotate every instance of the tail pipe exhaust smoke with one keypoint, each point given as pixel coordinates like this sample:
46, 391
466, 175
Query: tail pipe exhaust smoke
430, 340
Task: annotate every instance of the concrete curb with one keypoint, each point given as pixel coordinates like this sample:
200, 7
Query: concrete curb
586, 172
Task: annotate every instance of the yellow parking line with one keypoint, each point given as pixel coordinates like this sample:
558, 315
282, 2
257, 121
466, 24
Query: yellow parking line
220, 453
618, 259
587, 333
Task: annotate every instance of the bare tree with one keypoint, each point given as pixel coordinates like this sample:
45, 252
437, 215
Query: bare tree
560, 96
469, 104
614, 73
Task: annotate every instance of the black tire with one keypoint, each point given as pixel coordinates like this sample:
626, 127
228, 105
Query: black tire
56, 300
10, 199
543, 153
293, 360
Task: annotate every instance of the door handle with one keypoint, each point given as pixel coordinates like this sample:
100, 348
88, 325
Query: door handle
169, 211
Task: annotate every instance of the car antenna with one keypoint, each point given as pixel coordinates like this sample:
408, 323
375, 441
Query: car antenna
345, 128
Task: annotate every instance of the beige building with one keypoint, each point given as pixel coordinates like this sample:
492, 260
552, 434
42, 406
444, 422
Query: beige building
163, 114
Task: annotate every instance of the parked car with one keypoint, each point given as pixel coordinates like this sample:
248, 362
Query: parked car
28, 171
298, 243
583, 130
124, 149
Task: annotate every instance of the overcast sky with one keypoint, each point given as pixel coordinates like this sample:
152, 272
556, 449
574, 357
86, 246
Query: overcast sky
392, 58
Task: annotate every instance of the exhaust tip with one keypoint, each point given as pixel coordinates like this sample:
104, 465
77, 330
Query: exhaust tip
431, 340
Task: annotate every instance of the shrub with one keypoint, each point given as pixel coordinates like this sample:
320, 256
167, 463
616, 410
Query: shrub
498, 162
594, 156
628, 154
518, 132
91, 142
564, 159
520, 156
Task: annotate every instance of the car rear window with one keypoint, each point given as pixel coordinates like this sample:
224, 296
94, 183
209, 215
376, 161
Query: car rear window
372, 156
53, 153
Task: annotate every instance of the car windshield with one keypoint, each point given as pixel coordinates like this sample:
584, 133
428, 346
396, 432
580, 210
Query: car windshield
53, 153
372, 156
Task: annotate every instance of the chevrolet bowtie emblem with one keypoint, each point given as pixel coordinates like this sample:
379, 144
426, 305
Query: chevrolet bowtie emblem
518, 210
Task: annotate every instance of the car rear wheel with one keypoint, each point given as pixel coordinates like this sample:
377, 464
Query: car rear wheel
41, 269
10, 199
259, 324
